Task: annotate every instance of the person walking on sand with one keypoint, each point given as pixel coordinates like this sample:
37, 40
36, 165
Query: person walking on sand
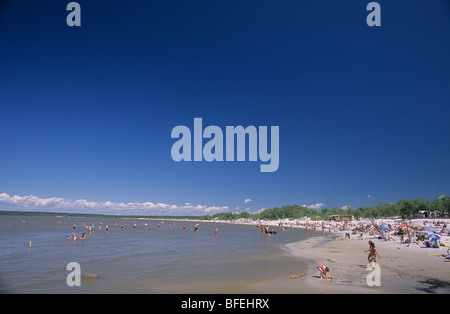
373, 254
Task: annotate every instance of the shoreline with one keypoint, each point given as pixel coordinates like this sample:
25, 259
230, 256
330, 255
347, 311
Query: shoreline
405, 268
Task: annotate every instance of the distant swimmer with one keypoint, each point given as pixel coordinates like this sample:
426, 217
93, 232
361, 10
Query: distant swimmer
196, 228
106, 228
121, 227
134, 226
216, 231
83, 236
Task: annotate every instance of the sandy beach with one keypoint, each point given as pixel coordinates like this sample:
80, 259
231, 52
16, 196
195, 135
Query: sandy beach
406, 268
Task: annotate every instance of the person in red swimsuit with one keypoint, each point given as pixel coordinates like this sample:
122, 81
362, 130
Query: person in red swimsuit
373, 253
323, 271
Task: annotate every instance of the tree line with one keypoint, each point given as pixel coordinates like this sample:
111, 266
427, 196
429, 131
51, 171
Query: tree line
404, 208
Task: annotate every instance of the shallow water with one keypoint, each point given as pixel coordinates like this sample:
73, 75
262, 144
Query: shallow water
146, 260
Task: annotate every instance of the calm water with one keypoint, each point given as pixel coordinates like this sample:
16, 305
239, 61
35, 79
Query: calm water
145, 260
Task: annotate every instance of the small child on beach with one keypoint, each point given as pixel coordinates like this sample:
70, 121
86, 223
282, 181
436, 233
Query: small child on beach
373, 253
323, 271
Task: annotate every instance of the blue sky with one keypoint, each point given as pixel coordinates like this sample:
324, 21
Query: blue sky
87, 112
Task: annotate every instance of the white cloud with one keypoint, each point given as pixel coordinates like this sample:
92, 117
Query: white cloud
259, 211
57, 204
247, 201
315, 206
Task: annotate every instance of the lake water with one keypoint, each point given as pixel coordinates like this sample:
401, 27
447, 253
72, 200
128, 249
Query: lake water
145, 260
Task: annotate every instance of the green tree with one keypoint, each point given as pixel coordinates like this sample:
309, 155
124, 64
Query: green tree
407, 208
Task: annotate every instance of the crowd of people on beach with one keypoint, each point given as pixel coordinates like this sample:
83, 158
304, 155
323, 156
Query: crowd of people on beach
420, 232
405, 231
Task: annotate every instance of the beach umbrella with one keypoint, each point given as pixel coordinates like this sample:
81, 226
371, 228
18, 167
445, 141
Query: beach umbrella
384, 227
434, 236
